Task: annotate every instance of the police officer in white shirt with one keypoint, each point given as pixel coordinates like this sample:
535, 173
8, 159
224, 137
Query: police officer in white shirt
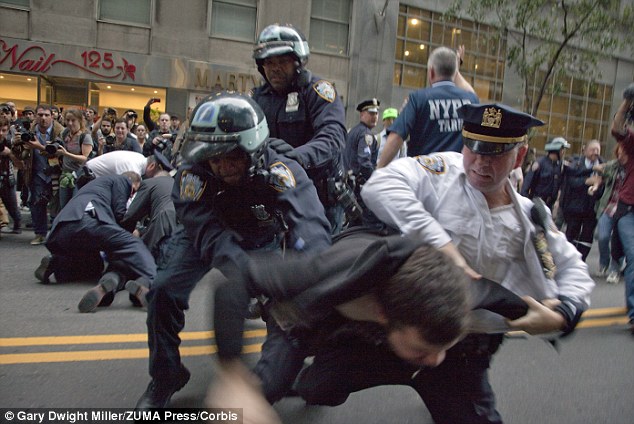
464, 204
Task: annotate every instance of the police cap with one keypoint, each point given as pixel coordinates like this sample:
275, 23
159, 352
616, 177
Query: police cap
162, 160
493, 129
371, 105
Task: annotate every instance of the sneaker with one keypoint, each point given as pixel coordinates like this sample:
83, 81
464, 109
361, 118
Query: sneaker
613, 278
45, 270
16, 230
93, 297
603, 272
138, 291
159, 392
38, 240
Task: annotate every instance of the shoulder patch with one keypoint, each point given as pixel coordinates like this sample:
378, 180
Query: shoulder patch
435, 164
369, 139
192, 186
325, 90
282, 177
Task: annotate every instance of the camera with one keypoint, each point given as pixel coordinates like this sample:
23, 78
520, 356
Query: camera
53, 147
110, 139
25, 134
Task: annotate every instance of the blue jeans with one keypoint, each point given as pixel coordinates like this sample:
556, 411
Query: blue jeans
39, 196
626, 234
606, 226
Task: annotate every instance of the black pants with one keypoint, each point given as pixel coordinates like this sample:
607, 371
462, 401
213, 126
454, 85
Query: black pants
167, 301
75, 245
580, 231
456, 391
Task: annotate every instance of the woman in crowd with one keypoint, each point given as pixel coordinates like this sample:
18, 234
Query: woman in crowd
73, 152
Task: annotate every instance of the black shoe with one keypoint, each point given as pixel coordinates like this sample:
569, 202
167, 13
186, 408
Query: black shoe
138, 290
93, 297
159, 392
45, 270
107, 300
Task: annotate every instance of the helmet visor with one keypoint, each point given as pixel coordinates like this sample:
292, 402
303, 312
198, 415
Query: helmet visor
202, 147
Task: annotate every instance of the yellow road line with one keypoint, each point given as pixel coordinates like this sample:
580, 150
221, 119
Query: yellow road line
108, 355
604, 311
603, 322
109, 338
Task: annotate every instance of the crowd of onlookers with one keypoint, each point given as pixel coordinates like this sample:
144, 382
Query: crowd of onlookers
43, 150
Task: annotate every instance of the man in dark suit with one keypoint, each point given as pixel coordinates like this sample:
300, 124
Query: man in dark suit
89, 224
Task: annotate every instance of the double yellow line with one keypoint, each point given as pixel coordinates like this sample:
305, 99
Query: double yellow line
108, 354
591, 318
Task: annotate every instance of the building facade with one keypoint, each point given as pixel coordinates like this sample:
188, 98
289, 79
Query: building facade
120, 53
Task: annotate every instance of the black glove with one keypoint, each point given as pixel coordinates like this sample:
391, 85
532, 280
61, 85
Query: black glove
283, 148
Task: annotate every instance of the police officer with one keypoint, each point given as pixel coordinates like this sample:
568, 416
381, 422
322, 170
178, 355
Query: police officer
544, 178
303, 110
361, 146
233, 194
464, 204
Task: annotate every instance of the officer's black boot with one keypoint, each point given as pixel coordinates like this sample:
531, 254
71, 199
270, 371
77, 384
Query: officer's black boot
108, 283
159, 392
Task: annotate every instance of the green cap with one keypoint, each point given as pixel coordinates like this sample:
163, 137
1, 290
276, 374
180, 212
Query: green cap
390, 113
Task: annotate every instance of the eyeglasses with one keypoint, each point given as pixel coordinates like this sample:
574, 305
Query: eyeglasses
5, 110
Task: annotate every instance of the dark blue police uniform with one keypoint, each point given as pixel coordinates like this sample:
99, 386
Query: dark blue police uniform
311, 118
430, 119
361, 151
276, 208
544, 181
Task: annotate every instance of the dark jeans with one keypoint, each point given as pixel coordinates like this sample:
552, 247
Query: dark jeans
580, 231
39, 195
456, 391
10, 201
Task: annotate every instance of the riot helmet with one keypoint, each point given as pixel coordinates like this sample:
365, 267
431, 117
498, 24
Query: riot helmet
223, 122
557, 144
278, 40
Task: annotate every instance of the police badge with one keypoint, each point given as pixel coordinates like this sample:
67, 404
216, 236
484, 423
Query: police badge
281, 178
435, 164
292, 102
191, 187
325, 90
369, 139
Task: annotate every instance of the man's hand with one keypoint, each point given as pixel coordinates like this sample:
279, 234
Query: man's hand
540, 318
450, 250
234, 386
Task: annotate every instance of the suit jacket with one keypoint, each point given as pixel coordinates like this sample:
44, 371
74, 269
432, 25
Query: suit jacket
109, 196
154, 199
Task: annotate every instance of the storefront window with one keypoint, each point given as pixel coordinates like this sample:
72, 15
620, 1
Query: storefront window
78, 93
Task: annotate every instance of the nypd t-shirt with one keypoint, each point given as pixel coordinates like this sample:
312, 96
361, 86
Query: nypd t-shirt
430, 119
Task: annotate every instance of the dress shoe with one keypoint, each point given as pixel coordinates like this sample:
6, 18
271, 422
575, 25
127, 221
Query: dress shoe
45, 270
38, 240
138, 290
159, 392
93, 297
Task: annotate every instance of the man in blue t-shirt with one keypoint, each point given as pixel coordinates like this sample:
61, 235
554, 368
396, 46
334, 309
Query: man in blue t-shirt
429, 115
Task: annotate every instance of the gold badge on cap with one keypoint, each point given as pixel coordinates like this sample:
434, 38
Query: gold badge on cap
492, 117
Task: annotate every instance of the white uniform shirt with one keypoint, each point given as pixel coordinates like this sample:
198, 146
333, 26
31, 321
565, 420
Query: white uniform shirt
117, 162
429, 197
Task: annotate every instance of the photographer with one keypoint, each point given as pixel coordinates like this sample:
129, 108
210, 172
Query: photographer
102, 130
39, 171
8, 163
161, 137
73, 152
131, 116
122, 139
624, 216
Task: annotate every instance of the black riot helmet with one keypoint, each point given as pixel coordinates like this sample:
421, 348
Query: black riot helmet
278, 40
223, 122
